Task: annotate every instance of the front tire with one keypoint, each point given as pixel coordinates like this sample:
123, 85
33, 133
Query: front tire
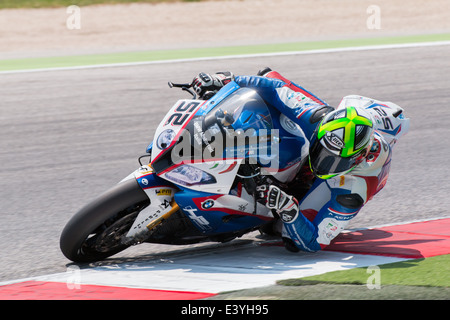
96, 231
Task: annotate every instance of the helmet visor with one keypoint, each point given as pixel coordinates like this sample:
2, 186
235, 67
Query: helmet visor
326, 163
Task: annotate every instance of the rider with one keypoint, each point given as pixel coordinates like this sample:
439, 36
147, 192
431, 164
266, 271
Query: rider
349, 154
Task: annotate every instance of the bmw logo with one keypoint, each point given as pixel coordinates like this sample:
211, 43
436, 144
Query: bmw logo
207, 204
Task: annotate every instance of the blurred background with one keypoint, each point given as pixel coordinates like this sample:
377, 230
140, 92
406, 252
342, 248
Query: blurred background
127, 25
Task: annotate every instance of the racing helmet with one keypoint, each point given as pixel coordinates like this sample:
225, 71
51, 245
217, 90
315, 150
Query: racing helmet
340, 142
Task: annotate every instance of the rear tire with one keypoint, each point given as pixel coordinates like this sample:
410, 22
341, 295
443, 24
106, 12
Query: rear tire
95, 232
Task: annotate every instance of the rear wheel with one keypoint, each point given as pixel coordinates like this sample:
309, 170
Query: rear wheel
96, 231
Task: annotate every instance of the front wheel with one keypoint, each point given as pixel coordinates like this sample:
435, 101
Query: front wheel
96, 231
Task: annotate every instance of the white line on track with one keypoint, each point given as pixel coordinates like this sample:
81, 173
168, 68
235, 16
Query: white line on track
239, 56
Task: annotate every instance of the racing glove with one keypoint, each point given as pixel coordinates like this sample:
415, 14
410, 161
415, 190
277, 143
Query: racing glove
207, 85
285, 206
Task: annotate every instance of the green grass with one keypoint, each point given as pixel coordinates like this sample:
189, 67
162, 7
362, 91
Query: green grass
421, 279
429, 272
7, 4
160, 55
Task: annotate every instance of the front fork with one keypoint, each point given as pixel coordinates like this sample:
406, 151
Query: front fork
162, 204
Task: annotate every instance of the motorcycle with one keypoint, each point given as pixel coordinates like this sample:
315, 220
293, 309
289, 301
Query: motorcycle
207, 167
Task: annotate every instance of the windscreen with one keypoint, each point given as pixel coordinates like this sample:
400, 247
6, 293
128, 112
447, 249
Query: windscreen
243, 110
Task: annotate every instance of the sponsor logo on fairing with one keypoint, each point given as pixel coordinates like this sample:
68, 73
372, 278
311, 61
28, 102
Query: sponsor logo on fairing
163, 192
208, 204
199, 221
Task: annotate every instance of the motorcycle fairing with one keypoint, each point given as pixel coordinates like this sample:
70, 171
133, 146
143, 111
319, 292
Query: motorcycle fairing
216, 214
172, 126
181, 113
223, 173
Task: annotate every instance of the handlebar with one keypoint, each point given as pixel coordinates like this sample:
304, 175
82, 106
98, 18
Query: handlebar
184, 86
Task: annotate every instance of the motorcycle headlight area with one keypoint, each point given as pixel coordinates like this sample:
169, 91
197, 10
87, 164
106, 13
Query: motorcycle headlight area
165, 138
187, 175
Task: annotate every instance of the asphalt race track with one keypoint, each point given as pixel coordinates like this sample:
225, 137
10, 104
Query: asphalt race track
67, 136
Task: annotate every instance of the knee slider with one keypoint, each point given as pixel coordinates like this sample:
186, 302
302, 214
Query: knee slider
350, 201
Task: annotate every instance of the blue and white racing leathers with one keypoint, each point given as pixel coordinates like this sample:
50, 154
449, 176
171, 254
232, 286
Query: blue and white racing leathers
330, 204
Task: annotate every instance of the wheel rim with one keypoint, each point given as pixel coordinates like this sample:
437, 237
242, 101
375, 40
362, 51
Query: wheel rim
109, 236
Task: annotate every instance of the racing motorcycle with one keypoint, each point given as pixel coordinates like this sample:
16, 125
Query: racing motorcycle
203, 179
